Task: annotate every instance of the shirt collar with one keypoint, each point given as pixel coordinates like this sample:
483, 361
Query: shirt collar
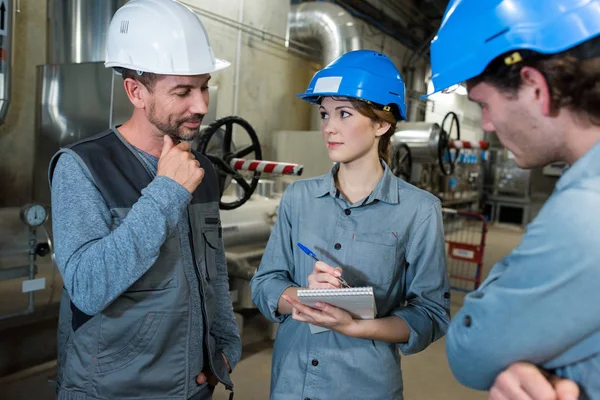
386, 189
587, 166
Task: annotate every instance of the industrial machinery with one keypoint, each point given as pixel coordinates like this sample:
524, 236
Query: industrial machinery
434, 158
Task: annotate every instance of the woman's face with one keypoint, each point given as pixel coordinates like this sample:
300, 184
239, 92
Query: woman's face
348, 134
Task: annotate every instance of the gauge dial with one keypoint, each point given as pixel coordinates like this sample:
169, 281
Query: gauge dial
34, 214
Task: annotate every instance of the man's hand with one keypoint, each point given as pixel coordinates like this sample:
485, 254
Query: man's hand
324, 276
523, 381
207, 376
179, 164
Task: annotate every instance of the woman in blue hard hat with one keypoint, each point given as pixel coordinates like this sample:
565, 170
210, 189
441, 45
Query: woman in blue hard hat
534, 67
364, 224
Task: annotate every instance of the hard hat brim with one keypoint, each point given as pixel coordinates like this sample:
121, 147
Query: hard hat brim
219, 65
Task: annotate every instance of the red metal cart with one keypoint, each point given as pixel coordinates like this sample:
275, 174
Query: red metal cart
465, 244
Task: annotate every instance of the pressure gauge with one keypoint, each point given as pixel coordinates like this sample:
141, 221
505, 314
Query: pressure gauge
34, 215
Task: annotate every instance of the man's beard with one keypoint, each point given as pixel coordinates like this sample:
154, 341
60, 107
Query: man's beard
175, 129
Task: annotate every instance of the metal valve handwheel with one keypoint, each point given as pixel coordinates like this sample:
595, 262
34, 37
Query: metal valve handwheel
448, 156
221, 154
401, 161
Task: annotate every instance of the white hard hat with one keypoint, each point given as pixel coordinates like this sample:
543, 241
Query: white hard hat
162, 37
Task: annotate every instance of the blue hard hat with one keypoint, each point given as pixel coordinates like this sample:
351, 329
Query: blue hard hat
475, 32
360, 74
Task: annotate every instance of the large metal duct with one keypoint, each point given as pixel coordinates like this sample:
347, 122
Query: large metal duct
422, 138
6, 37
76, 95
325, 23
77, 29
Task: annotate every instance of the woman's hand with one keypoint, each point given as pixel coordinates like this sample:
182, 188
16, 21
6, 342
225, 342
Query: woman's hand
324, 276
324, 315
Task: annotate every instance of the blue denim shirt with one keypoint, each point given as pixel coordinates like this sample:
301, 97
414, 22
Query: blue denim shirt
541, 303
393, 241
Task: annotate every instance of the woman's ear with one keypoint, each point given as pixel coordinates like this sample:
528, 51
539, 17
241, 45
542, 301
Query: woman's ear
382, 128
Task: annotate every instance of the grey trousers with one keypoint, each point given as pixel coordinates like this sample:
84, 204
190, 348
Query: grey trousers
204, 394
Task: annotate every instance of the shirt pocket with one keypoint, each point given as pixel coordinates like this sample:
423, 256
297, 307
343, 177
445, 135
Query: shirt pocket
374, 259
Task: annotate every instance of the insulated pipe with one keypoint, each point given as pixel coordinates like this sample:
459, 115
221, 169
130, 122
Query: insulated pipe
270, 167
465, 144
327, 23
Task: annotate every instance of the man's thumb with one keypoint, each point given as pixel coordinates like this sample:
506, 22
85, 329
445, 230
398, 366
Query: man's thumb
200, 379
167, 145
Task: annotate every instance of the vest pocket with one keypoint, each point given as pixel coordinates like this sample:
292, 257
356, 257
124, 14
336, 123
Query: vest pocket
113, 360
211, 240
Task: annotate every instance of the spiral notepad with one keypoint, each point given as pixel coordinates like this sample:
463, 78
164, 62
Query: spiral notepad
358, 301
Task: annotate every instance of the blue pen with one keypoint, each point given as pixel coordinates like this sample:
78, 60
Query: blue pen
314, 256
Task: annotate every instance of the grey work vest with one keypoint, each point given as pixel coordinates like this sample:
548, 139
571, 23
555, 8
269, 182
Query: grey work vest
138, 346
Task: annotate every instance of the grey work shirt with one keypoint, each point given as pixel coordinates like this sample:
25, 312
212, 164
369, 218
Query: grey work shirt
394, 241
541, 302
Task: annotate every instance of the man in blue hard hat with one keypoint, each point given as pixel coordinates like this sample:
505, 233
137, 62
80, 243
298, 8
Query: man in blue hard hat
534, 67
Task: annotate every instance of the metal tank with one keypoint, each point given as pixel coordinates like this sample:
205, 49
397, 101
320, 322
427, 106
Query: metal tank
421, 137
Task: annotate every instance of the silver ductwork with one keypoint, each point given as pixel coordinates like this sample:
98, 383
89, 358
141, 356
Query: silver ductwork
325, 23
76, 95
421, 137
6, 37
77, 29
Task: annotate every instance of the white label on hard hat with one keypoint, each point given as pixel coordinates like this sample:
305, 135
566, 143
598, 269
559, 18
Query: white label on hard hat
329, 84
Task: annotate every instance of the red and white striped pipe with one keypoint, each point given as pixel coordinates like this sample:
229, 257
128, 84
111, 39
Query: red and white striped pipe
465, 144
270, 167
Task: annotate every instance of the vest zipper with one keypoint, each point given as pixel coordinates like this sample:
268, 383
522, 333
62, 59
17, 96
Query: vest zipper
204, 312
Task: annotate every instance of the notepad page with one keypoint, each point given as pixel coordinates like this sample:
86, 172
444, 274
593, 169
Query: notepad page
359, 302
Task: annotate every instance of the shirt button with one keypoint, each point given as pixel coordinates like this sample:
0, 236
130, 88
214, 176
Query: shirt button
315, 363
467, 321
347, 211
337, 246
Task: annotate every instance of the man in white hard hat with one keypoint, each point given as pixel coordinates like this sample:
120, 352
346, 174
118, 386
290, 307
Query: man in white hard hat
146, 311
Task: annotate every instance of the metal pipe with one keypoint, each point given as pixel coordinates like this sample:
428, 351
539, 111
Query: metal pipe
32, 246
269, 167
238, 56
6, 38
421, 137
326, 23
77, 29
